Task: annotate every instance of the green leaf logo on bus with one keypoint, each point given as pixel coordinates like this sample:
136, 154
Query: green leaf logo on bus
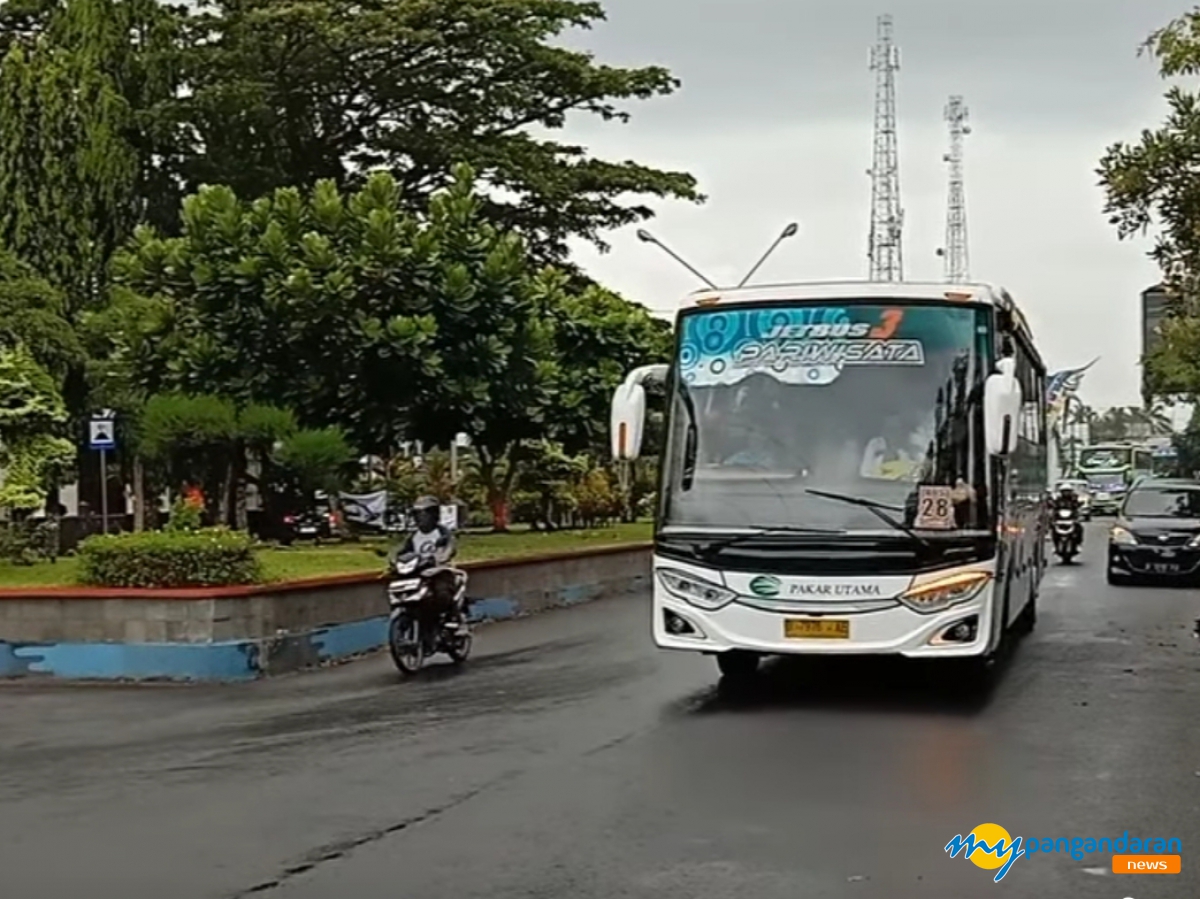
765, 586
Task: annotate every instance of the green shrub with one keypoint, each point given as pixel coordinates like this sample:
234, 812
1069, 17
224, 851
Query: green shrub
185, 517
214, 557
29, 542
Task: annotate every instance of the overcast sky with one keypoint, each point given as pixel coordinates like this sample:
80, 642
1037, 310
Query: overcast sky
775, 117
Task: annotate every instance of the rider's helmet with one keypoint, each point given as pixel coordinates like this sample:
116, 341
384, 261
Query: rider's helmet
426, 513
1066, 491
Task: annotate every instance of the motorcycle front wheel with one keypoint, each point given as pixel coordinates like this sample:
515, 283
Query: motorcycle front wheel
404, 641
460, 648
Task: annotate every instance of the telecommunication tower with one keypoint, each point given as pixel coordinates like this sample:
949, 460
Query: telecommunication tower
887, 218
958, 269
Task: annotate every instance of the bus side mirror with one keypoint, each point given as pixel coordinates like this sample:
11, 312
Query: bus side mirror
1001, 408
629, 412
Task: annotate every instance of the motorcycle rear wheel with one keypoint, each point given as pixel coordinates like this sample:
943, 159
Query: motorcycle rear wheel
406, 645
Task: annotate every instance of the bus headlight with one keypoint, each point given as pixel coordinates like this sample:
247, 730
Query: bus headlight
943, 593
1122, 537
694, 590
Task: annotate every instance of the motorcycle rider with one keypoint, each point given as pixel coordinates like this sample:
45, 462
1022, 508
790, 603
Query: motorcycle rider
1067, 498
432, 540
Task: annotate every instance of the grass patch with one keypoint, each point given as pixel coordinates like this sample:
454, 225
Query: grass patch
302, 562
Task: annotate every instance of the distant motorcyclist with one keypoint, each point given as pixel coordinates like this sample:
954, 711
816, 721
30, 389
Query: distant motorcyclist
1066, 498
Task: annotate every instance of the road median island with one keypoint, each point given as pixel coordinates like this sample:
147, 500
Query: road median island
241, 633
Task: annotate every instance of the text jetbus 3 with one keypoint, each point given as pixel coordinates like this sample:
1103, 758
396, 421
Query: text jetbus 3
848, 468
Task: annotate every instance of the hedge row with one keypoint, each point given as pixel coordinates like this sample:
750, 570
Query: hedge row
214, 557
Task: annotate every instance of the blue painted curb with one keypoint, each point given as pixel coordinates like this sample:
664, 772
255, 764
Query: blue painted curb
231, 661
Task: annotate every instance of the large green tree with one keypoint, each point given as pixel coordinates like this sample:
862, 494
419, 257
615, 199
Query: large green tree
147, 101
32, 422
345, 309
354, 313
292, 93
128, 55
66, 173
604, 336
1152, 183
33, 313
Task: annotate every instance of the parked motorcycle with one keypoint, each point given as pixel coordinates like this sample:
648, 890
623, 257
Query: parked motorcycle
428, 612
1068, 533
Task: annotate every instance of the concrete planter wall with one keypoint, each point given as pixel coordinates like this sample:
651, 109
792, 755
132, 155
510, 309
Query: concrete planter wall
241, 633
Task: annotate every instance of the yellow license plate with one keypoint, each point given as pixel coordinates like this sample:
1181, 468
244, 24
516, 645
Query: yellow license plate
816, 628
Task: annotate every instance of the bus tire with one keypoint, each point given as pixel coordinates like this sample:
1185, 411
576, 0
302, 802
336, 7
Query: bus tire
738, 665
976, 674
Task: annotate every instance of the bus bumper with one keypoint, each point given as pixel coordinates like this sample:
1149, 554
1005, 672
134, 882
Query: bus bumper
897, 630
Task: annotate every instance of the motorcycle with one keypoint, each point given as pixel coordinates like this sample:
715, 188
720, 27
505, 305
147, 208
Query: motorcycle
428, 614
1066, 534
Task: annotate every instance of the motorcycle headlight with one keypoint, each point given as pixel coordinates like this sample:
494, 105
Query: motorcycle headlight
1195, 541
694, 590
1064, 513
935, 596
1121, 536
407, 567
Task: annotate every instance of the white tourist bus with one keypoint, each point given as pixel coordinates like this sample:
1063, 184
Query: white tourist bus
849, 467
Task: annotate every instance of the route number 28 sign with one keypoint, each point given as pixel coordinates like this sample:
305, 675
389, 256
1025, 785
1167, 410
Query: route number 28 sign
935, 509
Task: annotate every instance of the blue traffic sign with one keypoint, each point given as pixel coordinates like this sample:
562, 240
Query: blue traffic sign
102, 434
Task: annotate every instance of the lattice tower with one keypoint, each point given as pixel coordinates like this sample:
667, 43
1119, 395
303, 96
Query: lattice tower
958, 268
887, 217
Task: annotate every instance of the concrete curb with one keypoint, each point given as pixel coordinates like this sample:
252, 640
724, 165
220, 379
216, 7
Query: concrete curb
249, 659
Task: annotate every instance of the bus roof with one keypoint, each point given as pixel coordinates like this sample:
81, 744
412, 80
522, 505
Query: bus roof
855, 289
989, 294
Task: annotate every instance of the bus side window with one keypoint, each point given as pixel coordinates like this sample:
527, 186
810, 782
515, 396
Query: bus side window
1025, 377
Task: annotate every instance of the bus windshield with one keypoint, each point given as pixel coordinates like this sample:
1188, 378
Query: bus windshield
881, 403
1100, 457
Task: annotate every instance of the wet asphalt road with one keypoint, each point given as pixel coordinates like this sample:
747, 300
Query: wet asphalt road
571, 758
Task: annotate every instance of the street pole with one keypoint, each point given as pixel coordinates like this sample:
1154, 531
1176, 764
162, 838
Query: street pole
104, 491
454, 465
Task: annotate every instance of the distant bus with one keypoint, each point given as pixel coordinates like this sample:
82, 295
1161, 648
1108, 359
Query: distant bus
1109, 469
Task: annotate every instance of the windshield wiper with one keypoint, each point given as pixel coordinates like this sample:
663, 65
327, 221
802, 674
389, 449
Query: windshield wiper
726, 542
879, 510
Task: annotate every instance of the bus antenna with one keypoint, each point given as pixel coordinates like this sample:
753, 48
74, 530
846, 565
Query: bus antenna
789, 231
646, 237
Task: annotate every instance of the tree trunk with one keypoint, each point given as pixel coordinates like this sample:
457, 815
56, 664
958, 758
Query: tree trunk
241, 515
498, 488
139, 494
499, 506
225, 503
